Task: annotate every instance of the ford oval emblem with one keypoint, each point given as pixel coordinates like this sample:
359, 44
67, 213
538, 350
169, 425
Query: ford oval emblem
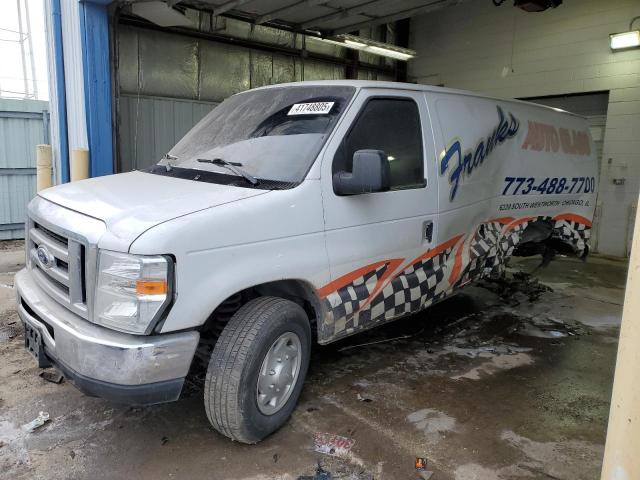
46, 259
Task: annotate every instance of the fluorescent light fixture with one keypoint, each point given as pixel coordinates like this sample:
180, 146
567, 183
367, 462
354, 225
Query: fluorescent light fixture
354, 44
625, 40
371, 46
386, 52
328, 40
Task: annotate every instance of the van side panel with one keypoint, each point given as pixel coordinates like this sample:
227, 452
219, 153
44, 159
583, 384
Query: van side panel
500, 167
503, 166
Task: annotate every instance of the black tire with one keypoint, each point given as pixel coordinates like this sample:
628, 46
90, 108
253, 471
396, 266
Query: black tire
230, 392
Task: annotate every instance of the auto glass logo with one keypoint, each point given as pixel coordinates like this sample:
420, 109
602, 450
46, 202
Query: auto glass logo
46, 259
464, 164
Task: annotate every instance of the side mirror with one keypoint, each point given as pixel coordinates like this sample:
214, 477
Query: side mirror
370, 174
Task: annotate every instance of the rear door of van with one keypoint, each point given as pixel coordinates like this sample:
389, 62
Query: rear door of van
372, 237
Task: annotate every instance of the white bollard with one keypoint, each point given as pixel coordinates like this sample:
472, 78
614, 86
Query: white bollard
79, 164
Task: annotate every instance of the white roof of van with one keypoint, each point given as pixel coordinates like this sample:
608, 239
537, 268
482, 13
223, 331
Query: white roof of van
407, 86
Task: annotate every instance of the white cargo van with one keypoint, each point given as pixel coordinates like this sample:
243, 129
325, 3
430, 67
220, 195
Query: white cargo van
292, 214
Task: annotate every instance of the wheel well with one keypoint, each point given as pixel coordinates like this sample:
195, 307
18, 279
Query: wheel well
538, 239
297, 291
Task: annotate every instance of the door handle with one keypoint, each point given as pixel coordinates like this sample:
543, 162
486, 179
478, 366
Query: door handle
427, 230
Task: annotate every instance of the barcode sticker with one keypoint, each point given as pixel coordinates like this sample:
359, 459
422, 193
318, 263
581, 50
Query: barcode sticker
315, 108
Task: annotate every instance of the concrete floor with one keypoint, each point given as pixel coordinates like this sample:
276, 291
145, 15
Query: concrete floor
484, 386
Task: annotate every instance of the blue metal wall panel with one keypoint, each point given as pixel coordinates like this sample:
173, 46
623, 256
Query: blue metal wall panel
60, 93
94, 28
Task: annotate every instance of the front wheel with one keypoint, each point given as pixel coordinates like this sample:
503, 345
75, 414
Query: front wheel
257, 369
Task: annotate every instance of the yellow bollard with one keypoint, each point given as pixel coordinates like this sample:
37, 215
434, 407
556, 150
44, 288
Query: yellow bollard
622, 451
43, 167
79, 164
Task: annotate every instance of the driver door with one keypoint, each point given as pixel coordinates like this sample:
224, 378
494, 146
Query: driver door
371, 238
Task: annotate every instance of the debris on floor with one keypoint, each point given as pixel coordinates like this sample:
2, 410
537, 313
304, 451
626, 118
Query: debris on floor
53, 377
36, 423
332, 444
320, 474
8, 332
516, 288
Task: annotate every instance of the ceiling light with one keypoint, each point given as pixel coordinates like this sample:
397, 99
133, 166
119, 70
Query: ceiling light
386, 52
340, 43
625, 40
371, 46
628, 39
354, 44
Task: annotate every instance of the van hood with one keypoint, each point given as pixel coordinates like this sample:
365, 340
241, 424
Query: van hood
131, 203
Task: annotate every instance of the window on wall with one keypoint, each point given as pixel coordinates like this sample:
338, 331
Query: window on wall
393, 126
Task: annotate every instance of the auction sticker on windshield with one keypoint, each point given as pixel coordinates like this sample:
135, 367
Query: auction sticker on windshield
315, 108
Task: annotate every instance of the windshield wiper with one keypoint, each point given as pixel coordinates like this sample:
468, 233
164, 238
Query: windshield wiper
168, 157
233, 166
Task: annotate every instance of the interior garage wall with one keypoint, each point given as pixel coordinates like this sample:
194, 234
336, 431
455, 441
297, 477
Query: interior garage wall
167, 82
504, 51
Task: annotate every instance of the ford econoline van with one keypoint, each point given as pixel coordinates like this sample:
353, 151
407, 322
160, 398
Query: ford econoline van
292, 214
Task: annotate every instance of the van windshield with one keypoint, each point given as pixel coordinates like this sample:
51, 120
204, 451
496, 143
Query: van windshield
273, 134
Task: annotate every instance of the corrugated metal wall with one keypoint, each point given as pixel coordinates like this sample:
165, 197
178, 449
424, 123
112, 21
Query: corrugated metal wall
23, 125
168, 82
150, 126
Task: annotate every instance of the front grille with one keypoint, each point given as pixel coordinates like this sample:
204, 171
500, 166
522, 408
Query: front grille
55, 236
60, 271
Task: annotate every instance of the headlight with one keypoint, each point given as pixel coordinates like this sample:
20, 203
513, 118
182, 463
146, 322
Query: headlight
132, 291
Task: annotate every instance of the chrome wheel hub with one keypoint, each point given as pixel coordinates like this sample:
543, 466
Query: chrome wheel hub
279, 373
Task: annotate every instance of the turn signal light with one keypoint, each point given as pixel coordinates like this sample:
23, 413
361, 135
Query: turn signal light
151, 287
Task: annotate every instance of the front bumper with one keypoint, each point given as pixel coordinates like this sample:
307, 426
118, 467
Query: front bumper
124, 368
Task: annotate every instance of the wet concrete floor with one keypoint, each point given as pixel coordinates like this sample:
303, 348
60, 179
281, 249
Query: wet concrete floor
503, 381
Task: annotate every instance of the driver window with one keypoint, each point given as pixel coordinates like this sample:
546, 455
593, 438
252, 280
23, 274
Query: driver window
393, 126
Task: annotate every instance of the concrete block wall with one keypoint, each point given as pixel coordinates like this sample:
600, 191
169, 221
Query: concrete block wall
506, 52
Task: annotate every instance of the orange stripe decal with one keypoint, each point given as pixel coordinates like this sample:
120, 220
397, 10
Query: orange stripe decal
572, 217
351, 276
435, 251
425, 256
457, 265
519, 222
393, 264
502, 220
388, 276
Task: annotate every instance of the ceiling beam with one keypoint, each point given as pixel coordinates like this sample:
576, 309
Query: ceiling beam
345, 13
273, 14
394, 17
225, 7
